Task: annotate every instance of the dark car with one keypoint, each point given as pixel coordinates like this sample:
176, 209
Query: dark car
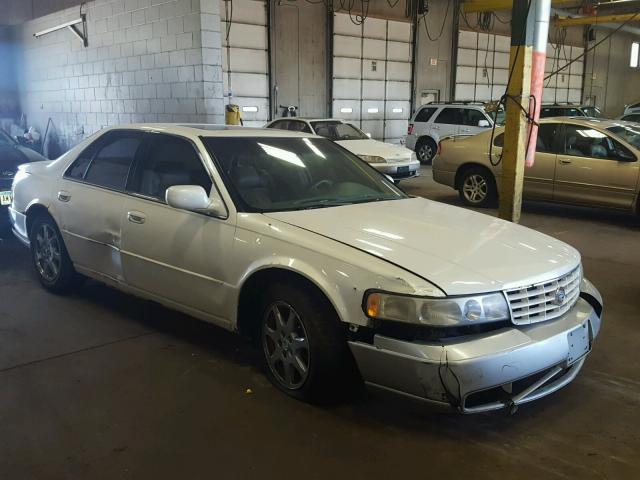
632, 117
12, 154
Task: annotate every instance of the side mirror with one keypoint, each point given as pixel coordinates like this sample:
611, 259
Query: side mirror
484, 123
369, 135
194, 199
390, 178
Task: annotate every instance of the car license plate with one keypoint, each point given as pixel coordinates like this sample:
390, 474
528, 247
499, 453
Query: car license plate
578, 340
5, 198
403, 169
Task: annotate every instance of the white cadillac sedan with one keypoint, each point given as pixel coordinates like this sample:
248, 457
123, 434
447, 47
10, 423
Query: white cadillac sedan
397, 161
337, 274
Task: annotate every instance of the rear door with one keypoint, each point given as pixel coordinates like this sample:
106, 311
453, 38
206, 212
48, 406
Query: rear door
90, 201
591, 171
447, 122
421, 125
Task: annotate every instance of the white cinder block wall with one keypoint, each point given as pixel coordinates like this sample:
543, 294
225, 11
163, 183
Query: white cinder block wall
147, 61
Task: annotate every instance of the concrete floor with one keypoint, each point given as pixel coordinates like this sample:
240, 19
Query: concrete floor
102, 385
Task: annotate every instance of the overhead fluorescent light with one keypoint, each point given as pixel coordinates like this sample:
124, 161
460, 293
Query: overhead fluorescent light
372, 110
635, 48
346, 110
250, 109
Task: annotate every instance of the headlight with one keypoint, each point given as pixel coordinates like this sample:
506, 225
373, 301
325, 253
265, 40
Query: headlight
372, 159
438, 312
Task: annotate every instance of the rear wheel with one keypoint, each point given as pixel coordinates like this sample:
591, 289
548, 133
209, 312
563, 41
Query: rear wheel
50, 258
425, 150
304, 347
478, 188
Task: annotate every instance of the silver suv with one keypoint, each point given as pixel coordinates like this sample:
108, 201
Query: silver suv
434, 121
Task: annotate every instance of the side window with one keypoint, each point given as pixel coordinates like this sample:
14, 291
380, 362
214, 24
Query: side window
169, 161
584, 141
280, 125
451, 116
547, 140
425, 114
79, 166
110, 167
471, 117
298, 126
547, 112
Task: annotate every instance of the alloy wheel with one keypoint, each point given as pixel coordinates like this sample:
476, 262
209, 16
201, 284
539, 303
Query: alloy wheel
475, 188
425, 152
285, 345
48, 255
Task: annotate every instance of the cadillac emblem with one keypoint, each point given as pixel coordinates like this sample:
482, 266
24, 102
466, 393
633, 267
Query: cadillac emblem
560, 296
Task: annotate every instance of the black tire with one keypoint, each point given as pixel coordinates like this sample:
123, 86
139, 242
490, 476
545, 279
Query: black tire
477, 187
64, 279
331, 374
426, 150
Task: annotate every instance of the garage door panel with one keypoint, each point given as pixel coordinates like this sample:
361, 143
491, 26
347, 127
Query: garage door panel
343, 25
248, 104
576, 68
465, 91
501, 60
395, 130
247, 36
374, 49
575, 82
372, 110
373, 69
466, 57
346, 67
483, 93
347, 46
467, 39
399, 51
247, 61
397, 109
245, 11
399, 31
400, 71
502, 43
398, 91
346, 88
497, 90
575, 96
250, 84
374, 127
465, 74
500, 76
346, 109
484, 76
548, 95
372, 89
375, 28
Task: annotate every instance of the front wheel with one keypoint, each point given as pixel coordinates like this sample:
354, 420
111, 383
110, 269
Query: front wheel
304, 347
478, 188
50, 258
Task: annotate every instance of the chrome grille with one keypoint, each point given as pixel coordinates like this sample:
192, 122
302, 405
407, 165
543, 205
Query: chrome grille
542, 301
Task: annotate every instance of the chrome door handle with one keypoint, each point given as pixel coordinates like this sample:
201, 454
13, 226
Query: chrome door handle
565, 162
136, 217
435, 127
64, 196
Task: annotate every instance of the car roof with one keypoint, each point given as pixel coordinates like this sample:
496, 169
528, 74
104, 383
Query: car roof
311, 119
211, 130
589, 121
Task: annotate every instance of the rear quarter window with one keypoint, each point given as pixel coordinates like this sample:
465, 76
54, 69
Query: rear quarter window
425, 114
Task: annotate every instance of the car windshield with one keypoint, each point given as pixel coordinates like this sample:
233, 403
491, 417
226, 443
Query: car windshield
336, 131
592, 112
628, 134
498, 116
266, 174
6, 140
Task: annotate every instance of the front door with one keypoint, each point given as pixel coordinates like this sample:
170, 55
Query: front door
447, 122
539, 178
592, 170
174, 254
473, 122
90, 200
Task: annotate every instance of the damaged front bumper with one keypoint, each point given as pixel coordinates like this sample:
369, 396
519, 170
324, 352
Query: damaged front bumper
498, 369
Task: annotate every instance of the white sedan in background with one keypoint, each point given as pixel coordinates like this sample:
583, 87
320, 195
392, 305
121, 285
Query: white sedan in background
336, 273
394, 160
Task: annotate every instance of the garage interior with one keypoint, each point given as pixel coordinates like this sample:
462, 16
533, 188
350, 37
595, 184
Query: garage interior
100, 384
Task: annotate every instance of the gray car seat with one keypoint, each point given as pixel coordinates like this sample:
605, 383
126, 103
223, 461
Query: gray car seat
571, 147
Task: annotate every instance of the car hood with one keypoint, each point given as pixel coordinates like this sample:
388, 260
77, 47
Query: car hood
458, 250
374, 147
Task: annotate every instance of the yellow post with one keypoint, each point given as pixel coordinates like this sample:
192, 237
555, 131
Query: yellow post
517, 103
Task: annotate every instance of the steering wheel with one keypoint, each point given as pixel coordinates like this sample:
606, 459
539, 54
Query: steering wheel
317, 186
